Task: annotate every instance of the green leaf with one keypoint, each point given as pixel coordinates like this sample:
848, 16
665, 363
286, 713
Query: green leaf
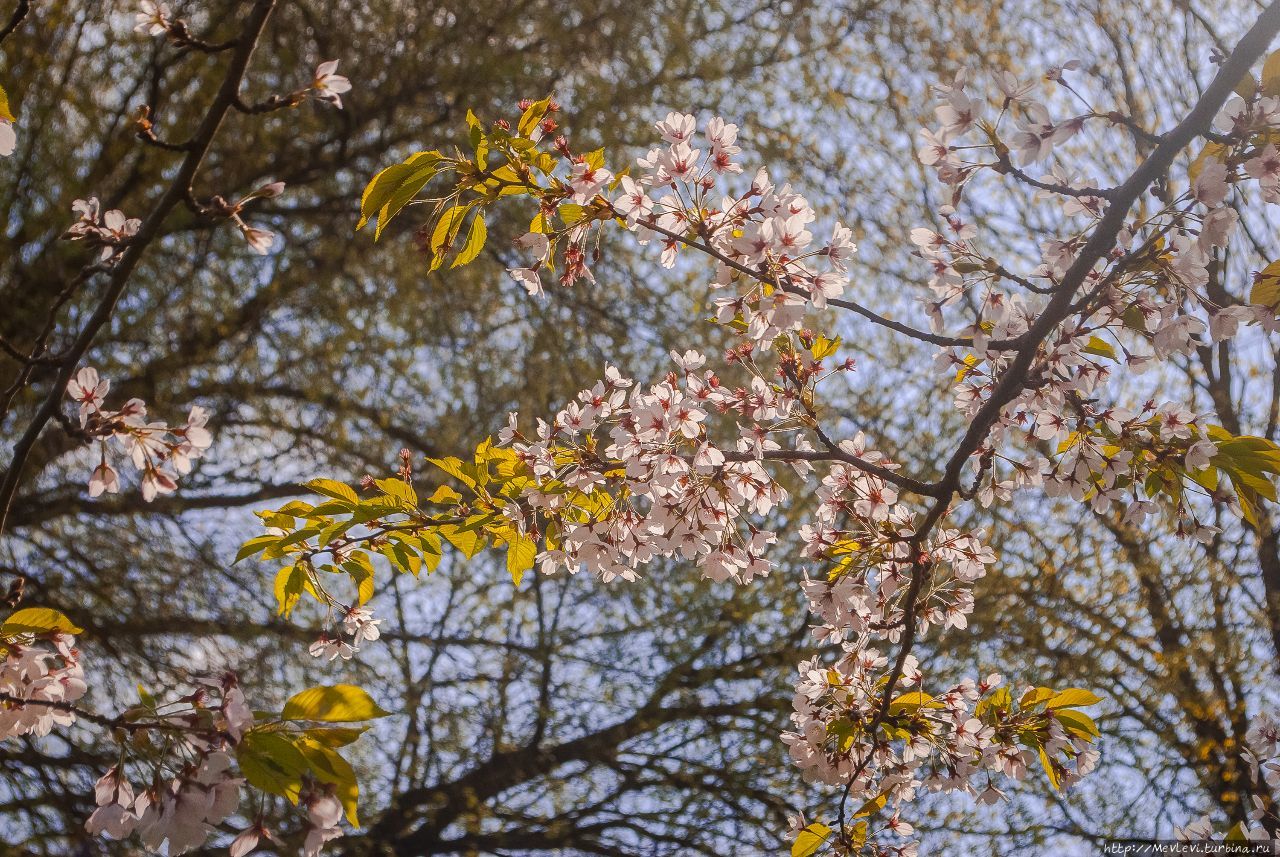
1035, 696
336, 703
335, 736
874, 805
363, 579
455, 468
271, 763
399, 489
254, 546
474, 244
1073, 697
823, 347
403, 195
1211, 151
1077, 723
37, 620
445, 495
467, 541
446, 233
810, 840
392, 188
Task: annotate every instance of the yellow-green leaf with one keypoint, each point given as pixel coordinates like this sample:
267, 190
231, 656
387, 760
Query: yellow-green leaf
399, 489
1211, 151
823, 347
1048, 769
444, 494
810, 840
333, 488
271, 763
913, 700
5, 112
446, 233
37, 620
474, 244
532, 115
467, 541
329, 767
873, 806
1266, 287
335, 736
336, 703
1271, 75
1035, 695
520, 554
1100, 347
291, 581
1073, 697
1077, 723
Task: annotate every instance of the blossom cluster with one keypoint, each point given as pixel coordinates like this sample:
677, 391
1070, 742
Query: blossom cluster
48, 673
160, 452
963, 739
111, 231
358, 624
760, 237
661, 487
1148, 301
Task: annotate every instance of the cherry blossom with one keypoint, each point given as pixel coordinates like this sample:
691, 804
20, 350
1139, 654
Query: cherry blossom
153, 19
110, 230
160, 452
329, 86
42, 672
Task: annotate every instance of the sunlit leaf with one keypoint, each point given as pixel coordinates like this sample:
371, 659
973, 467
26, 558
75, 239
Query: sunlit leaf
337, 703
37, 620
810, 840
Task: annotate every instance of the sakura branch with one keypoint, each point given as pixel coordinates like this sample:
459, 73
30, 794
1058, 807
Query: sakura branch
126, 250
628, 473
175, 779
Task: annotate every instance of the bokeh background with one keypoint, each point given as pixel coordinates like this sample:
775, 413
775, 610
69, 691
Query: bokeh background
569, 716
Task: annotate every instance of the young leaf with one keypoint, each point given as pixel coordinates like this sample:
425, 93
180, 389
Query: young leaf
474, 244
337, 703
1271, 75
271, 763
291, 581
1077, 723
327, 766
1072, 697
520, 554
37, 620
333, 488
810, 840
1266, 287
